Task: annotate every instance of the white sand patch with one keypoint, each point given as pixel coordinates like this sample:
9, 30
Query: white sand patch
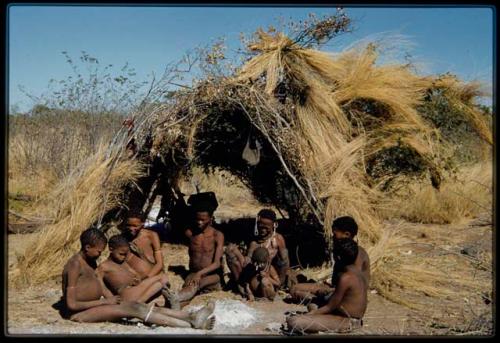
231, 314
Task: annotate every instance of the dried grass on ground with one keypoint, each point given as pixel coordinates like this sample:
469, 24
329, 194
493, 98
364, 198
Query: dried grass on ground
462, 196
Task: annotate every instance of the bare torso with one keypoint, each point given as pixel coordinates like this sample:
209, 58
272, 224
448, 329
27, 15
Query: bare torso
354, 301
363, 263
88, 286
270, 243
202, 246
118, 276
143, 261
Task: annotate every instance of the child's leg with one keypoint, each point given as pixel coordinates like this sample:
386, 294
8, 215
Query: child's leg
267, 289
107, 313
136, 293
148, 314
209, 282
198, 319
318, 322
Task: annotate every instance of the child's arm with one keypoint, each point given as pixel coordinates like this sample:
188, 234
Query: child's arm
155, 242
101, 276
336, 298
249, 294
274, 277
283, 262
251, 248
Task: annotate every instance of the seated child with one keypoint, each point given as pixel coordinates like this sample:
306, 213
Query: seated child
347, 305
259, 278
86, 298
343, 227
122, 279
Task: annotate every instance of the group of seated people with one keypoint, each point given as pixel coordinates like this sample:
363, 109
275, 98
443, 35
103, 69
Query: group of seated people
130, 281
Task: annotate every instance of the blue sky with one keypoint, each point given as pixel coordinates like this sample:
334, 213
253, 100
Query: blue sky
454, 39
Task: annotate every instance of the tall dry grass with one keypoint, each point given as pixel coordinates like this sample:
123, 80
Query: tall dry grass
459, 198
47, 144
73, 205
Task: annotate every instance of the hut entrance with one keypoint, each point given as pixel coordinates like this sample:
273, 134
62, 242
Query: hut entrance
227, 144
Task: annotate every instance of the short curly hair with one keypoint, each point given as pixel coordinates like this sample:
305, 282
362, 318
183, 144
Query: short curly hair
346, 224
118, 241
92, 237
260, 255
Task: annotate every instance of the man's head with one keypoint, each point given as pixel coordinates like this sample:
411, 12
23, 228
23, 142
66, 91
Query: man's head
260, 258
344, 227
118, 248
266, 222
93, 242
203, 212
345, 251
135, 223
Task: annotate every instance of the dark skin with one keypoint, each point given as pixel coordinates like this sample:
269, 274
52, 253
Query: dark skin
145, 255
349, 300
277, 251
89, 301
123, 280
81, 287
362, 260
206, 246
263, 283
313, 291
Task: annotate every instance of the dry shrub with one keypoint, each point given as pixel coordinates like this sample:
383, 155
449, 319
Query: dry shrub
462, 197
73, 206
46, 145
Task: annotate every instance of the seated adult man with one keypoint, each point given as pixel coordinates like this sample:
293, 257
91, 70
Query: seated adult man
259, 278
86, 298
267, 237
206, 246
145, 255
343, 228
122, 279
347, 305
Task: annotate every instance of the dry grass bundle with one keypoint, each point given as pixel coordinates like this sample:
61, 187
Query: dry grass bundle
461, 96
462, 197
74, 206
417, 274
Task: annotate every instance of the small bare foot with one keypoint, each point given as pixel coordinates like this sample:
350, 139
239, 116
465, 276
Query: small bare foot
200, 318
209, 323
171, 298
312, 307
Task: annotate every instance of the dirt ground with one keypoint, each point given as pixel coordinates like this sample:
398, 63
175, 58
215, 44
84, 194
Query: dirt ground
30, 311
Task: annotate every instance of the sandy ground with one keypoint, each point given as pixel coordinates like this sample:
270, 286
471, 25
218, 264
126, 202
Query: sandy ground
30, 311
